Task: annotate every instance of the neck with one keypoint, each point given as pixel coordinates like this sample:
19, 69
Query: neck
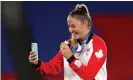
85, 35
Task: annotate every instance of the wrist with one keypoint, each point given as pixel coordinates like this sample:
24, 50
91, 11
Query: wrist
71, 59
37, 64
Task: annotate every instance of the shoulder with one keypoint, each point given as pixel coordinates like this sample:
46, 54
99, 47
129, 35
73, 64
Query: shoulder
99, 43
98, 39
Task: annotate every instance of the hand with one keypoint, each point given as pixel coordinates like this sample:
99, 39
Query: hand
32, 58
66, 52
73, 42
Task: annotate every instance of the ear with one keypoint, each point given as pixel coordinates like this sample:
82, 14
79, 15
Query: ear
86, 22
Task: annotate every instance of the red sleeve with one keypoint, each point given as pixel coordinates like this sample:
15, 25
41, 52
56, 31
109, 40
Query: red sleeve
95, 63
53, 67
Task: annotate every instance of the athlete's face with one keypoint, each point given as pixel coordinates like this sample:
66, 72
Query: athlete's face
77, 28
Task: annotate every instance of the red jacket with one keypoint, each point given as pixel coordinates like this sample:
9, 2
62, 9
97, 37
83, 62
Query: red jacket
86, 72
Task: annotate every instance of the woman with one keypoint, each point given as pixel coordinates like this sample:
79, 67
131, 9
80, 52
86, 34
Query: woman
83, 57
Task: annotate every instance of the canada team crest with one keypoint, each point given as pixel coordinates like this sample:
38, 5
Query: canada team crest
99, 54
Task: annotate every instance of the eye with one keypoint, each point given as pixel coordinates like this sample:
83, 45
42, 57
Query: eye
73, 26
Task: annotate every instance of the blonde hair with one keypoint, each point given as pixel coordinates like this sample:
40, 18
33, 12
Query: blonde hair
81, 12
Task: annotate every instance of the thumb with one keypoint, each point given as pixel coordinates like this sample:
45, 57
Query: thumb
73, 42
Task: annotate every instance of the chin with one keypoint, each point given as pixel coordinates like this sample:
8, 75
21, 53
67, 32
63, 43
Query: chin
76, 37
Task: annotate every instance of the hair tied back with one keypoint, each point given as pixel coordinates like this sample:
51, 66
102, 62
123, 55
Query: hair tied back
81, 7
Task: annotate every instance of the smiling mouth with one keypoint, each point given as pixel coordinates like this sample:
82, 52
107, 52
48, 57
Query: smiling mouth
74, 34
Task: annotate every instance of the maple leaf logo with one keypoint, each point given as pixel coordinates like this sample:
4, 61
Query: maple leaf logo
99, 54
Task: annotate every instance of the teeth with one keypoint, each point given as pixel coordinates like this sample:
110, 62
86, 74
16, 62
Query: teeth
74, 33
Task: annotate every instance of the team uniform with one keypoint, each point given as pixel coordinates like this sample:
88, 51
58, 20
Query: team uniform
89, 64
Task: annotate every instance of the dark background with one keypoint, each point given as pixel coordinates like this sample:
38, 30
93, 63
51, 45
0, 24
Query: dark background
45, 23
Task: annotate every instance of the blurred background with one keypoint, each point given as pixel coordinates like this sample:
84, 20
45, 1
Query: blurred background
45, 23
